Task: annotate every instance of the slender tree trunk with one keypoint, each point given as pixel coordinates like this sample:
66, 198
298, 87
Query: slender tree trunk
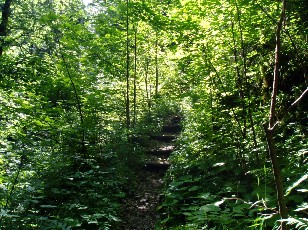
135, 78
239, 81
4, 23
156, 65
234, 115
238, 75
252, 125
211, 104
127, 107
270, 131
147, 63
244, 78
79, 109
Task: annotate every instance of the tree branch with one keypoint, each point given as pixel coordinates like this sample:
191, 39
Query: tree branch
295, 103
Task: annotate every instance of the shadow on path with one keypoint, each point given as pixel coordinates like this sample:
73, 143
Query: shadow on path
139, 209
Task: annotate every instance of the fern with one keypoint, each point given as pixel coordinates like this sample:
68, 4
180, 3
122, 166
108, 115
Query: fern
299, 223
295, 184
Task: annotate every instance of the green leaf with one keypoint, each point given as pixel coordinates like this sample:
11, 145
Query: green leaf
239, 208
120, 195
194, 188
295, 184
302, 207
210, 208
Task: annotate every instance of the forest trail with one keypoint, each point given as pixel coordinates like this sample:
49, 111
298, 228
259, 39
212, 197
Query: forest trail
140, 208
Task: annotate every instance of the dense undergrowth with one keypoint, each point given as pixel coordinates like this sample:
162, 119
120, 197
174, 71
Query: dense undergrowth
61, 190
50, 181
220, 181
81, 89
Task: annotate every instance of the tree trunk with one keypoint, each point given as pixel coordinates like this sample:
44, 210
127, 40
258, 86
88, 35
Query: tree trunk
4, 23
156, 64
79, 109
254, 135
147, 90
277, 175
135, 78
244, 77
270, 131
127, 106
239, 81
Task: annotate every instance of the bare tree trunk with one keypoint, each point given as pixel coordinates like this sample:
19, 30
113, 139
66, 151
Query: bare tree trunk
156, 64
270, 131
254, 135
244, 77
147, 90
127, 106
4, 23
79, 109
135, 78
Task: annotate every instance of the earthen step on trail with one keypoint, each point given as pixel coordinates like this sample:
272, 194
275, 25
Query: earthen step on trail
176, 119
164, 138
174, 128
156, 167
162, 151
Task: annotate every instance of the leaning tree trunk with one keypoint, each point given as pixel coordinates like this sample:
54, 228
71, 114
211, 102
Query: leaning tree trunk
4, 23
270, 130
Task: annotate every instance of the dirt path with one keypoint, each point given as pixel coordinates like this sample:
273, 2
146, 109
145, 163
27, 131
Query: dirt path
140, 208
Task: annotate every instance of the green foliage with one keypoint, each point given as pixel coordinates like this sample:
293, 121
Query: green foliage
222, 84
298, 223
61, 164
66, 156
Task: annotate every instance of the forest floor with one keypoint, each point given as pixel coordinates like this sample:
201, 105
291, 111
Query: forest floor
140, 207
